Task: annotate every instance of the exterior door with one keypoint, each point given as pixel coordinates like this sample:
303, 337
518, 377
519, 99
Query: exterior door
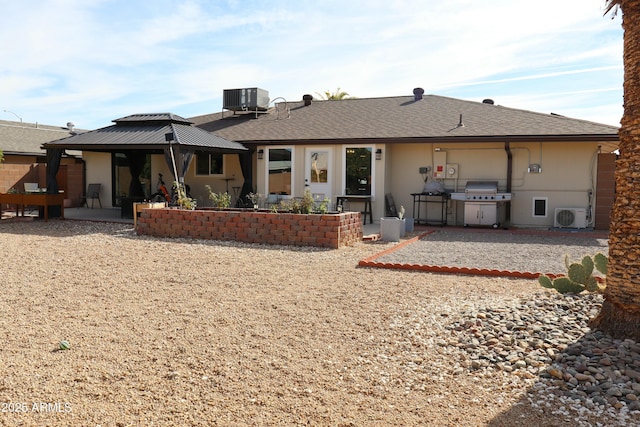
318, 172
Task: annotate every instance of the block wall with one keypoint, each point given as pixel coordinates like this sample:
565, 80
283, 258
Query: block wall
325, 231
16, 170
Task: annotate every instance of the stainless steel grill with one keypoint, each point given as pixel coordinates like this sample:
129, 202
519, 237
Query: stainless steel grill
482, 190
481, 202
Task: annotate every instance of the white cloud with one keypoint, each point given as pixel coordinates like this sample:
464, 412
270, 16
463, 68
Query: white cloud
91, 62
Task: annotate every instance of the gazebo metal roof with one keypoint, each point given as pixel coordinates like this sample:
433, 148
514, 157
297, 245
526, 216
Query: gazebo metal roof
147, 132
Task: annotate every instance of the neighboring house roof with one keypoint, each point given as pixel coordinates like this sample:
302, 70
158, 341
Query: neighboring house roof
147, 132
403, 118
19, 138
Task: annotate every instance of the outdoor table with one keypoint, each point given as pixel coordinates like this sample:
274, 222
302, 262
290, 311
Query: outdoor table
358, 198
426, 199
33, 199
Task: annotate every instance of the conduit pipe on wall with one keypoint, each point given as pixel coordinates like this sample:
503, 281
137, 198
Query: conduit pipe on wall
507, 148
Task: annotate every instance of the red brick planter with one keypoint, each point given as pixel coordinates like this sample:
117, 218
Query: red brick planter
320, 230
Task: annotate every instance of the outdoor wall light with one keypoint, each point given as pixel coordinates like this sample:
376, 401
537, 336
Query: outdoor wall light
379, 154
260, 154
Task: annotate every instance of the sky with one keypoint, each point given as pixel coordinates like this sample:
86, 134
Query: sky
92, 61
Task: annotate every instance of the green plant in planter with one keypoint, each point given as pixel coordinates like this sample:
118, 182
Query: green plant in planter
307, 203
323, 208
183, 200
290, 205
579, 276
219, 200
187, 203
304, 205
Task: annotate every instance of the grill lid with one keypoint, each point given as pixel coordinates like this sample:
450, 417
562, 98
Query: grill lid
485, 187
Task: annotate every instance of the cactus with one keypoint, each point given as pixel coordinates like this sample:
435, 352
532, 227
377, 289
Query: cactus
601, 262
579, 276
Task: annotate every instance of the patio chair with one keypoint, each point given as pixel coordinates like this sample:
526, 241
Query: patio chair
93, 193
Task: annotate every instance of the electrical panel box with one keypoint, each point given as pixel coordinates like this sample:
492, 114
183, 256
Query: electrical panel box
452, 170
439, 164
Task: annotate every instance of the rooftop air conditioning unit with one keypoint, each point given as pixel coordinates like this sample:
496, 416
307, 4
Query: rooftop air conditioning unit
247, 99
570, 218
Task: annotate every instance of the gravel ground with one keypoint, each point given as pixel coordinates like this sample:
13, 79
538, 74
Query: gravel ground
176, 332
522, 251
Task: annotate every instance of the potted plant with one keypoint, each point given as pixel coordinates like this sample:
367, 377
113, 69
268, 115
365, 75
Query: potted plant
392, 228
403, 222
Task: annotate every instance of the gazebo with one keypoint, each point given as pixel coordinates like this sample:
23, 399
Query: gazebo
141, 134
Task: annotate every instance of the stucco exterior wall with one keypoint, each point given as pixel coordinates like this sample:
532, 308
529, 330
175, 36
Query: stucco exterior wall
568, 178
198, 183
380, 177
99, 172
568, 175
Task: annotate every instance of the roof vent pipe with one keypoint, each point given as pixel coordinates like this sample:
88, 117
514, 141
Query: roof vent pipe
488, 101
307, 100
417, 93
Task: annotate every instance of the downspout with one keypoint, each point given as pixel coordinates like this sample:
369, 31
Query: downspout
507, 148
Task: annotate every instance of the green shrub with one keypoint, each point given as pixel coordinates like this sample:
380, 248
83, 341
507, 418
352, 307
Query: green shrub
184, 201
219, 200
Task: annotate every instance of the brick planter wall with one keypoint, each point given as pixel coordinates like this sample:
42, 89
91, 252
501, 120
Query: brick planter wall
325, 231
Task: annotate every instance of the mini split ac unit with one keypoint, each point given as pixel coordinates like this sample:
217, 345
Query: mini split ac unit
570, 218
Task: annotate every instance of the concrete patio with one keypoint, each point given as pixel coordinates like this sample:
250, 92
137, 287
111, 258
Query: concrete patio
113, 215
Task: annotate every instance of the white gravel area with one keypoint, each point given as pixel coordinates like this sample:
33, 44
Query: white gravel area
521, 251
202, 333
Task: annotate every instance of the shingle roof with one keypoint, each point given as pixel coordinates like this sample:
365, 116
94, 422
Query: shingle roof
27, 138
431, 118
147, 132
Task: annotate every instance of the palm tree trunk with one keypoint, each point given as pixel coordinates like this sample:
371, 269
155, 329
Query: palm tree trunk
620, 313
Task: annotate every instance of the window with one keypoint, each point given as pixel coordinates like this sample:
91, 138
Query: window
358, 170
540, 206
209, 163
319, 167
279, 170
